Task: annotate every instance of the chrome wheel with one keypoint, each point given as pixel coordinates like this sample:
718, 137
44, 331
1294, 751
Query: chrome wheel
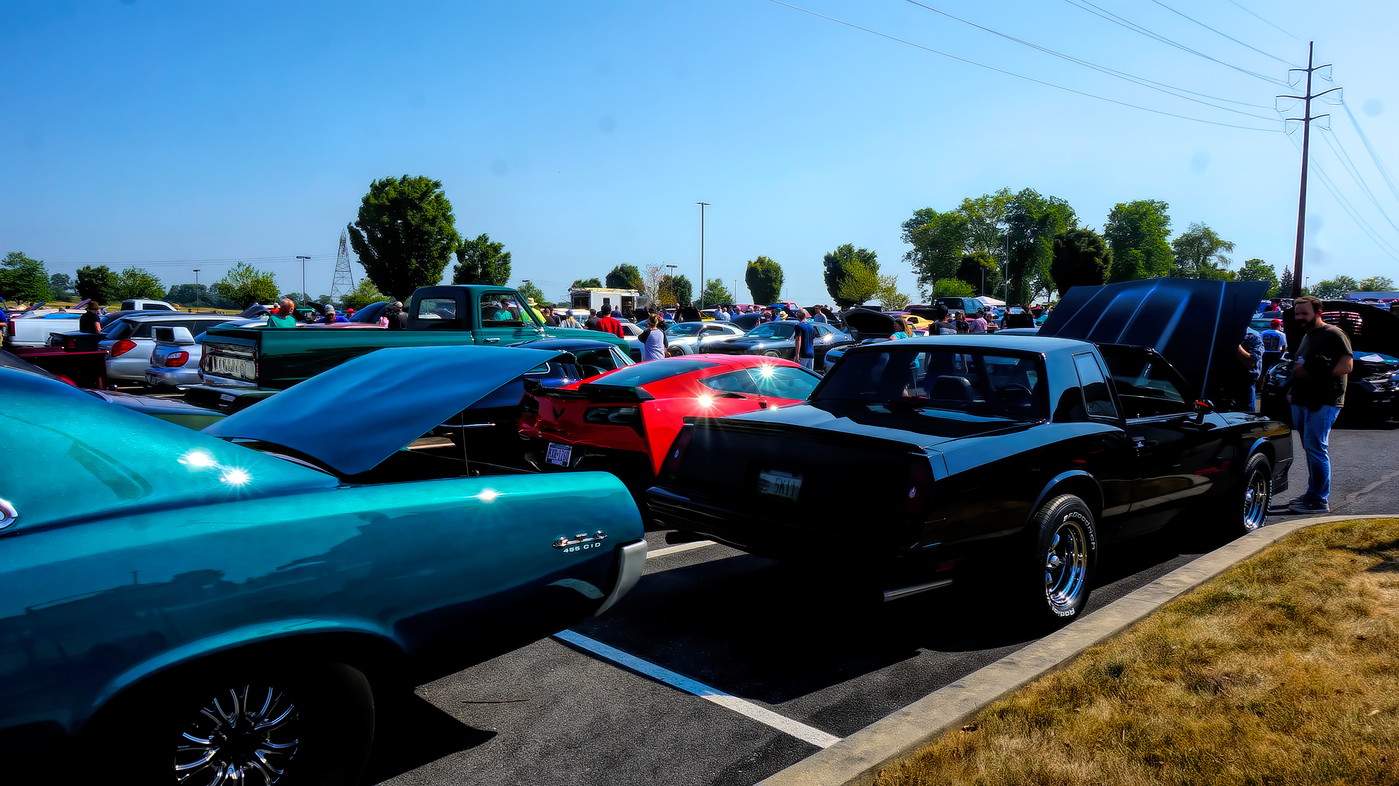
1066, 566
1257, 493
244, 735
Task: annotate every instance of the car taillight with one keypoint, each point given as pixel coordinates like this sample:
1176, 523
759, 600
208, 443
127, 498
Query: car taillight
614, 416
920, 486
121, 348
176, 359
671, 466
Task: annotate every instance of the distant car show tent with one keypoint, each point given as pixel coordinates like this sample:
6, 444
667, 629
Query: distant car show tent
987, 300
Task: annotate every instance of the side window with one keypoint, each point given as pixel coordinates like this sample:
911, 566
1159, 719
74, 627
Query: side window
733, 382
436, 308
783, 381
1096, 397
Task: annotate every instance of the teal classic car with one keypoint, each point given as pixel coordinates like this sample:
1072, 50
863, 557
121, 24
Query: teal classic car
223, 606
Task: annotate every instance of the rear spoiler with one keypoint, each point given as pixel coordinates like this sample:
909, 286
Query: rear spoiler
591, 392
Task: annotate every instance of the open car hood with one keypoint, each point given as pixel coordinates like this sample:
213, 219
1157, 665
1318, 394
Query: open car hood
868, 322
354, 416
1196, 325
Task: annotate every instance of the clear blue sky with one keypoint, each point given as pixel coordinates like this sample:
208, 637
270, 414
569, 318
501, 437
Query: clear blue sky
175, 135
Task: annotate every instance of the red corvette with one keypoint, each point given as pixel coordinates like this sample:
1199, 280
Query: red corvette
623, 421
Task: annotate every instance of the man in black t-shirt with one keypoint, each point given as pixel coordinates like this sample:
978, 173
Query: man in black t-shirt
1317, 392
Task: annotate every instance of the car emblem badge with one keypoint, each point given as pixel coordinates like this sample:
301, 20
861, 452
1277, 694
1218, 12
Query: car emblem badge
558, 411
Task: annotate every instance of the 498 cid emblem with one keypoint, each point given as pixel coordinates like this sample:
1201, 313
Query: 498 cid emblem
581, 541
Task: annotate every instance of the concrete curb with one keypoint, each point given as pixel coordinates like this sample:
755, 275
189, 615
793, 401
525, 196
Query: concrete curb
857, 759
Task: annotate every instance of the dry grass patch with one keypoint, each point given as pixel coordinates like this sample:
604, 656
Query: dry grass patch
1284, 670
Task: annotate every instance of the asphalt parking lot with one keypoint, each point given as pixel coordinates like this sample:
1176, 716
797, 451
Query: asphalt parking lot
723, 668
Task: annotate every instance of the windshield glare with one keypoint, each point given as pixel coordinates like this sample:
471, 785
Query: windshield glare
988, 384
683, 329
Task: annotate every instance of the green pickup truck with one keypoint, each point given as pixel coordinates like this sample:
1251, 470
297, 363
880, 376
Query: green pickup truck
243, 365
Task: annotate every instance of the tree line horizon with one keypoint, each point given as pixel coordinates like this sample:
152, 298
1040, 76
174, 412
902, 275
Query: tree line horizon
1018, 245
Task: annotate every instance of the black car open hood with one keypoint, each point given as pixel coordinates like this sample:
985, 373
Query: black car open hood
868, 323
1194, 324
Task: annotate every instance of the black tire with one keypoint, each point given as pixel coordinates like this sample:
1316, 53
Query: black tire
674, 352
1060, 570
1254, 495
314, 724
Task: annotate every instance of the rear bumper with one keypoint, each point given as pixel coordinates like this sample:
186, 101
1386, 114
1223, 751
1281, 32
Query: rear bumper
226, 399
160, 377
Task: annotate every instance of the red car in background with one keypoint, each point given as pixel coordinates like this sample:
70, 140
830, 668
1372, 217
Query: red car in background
623, 421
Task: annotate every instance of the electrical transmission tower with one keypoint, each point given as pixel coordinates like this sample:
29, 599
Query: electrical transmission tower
343, 275
1306, 121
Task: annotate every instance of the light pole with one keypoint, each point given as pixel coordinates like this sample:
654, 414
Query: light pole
671, 268
702, 205
303, 259
196, 287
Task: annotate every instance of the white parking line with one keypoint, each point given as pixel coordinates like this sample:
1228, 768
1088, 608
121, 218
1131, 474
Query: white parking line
762, 715
677, 549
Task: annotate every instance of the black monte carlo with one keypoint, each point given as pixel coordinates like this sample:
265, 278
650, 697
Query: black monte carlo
921, 462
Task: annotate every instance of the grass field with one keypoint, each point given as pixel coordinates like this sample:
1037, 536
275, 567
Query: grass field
1283, 670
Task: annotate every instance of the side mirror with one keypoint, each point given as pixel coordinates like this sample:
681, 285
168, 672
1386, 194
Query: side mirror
1203, 407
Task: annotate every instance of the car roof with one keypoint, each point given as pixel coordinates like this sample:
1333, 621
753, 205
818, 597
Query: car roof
1017, 343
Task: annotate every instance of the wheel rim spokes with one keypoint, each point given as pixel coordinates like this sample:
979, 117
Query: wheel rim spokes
1066, 568
245, 736
1255, 502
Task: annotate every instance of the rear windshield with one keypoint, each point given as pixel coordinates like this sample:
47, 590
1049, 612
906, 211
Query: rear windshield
683, 329
646, 373
982, 383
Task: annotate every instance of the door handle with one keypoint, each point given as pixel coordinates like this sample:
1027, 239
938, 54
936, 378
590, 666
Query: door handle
492, 340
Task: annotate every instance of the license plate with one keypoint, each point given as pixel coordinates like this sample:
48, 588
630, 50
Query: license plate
238, 368
779, 484
558, 455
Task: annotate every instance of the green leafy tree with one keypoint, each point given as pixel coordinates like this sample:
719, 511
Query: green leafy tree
1334, 288
952, 287
587, 283
715, 292
888, 295
246, 285
405, 234
135, 282
1285, 282
97, 283
986, 221
529, 291
1375, 284
683, 290
626, 277
1142, 227
939, 241
980, 269
481, 261
841, 263
23, 279
61, 286
1258, 270
764, 279
665, 291
1032, 222
858, 284
1199, 252
362, 295
1081, 258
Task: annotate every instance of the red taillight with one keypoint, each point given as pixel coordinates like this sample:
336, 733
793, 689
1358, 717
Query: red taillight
176, 359
920, 486
121, 348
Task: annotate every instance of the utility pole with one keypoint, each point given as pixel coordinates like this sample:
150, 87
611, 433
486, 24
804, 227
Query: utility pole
303, 259
344, 281
702, 205
1306, 120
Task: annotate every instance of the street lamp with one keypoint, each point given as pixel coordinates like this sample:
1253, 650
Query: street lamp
303, 259
196, 287
671, 268
702, 205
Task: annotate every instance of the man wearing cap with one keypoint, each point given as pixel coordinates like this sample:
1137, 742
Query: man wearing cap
1274, 344
90, 322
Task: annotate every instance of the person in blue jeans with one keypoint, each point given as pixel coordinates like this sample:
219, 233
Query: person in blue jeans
1317, 393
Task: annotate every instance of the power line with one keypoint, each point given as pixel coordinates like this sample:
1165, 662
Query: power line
1142, 81
1374, 156
1354, 173
1012, 73
1217, 32
186, 262
1133, 26
1265, 21
1348, 208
